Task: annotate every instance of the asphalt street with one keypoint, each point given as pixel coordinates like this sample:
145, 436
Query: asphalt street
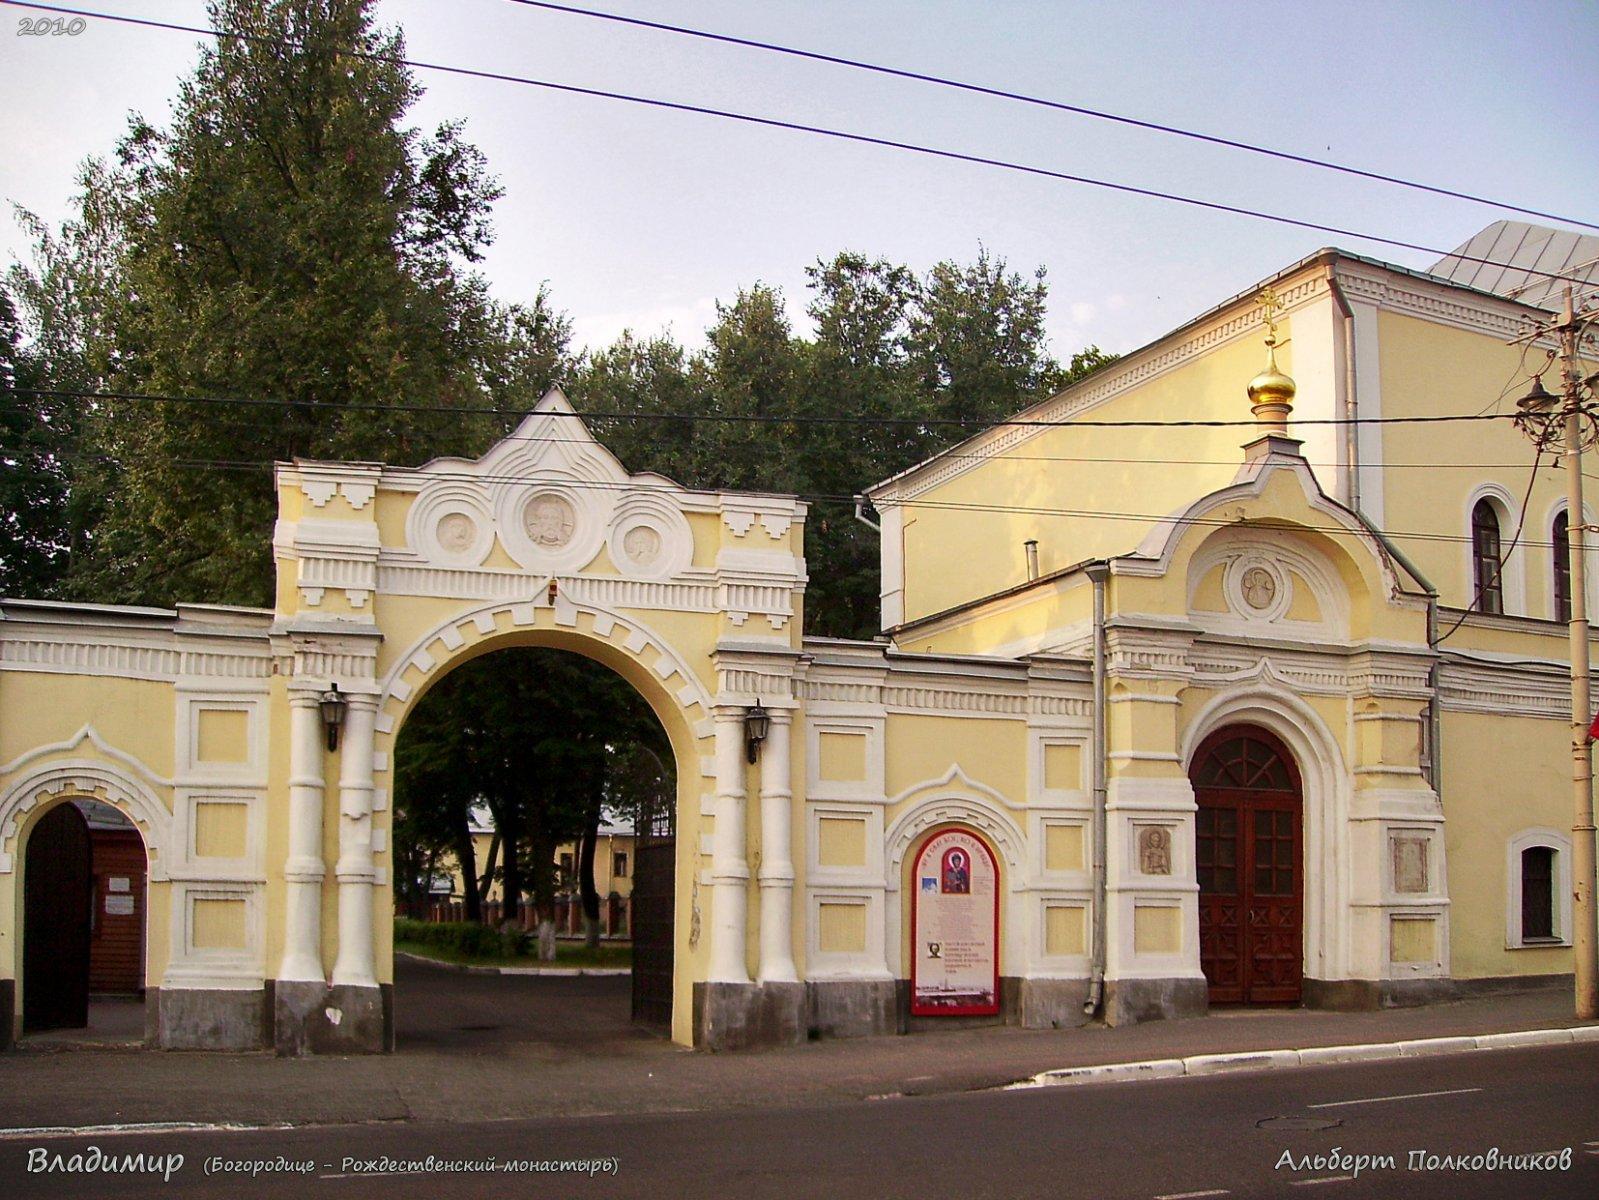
1211, 1136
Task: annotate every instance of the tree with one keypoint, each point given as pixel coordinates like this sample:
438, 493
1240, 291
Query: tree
288, 239
544, 739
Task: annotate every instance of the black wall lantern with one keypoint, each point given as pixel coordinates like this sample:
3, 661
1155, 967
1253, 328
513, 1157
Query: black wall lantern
333, 714
756, 722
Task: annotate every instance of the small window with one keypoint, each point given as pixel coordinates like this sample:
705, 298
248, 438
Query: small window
1486, 563
1562, 566
566, 864
1538, 893
619, 865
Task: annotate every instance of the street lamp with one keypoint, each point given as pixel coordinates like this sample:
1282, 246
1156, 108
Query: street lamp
756, 722
333, 703
1551, 420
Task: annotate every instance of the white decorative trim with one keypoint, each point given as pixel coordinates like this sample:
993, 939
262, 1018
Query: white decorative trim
128, 791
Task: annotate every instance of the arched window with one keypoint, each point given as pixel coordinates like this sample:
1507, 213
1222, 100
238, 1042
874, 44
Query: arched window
1487, 565
1562, 565
1538, 912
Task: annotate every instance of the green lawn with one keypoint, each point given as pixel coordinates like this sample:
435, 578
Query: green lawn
567, 954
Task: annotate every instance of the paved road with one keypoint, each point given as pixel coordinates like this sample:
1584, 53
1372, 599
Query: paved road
1153, 1140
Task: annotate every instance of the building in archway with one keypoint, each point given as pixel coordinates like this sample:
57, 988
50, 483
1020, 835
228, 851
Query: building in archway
1269, 678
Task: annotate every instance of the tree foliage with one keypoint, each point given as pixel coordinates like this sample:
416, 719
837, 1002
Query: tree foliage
287, 239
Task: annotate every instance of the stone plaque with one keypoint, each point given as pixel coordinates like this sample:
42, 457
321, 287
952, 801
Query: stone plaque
955, 928
119, 905
550, 521
1410, 864
1154, 850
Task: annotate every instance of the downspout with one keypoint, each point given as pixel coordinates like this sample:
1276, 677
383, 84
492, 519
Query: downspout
1098, 572
1351, 398
860, 515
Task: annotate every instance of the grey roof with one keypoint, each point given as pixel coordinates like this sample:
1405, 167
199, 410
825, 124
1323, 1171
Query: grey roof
1518, 249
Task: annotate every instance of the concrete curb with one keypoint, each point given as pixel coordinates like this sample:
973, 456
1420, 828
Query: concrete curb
1269, 1060
470, 969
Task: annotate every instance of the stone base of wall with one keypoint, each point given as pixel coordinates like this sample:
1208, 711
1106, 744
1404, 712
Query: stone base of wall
312, 1018
205, 1018
747, 1016
1129, 1001
1360, 995
1010, 989
1053, 1003
850, 1008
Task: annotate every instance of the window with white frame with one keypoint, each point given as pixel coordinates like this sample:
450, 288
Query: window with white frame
1538, 901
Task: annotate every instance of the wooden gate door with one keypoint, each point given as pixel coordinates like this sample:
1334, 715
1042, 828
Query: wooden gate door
58, 893
653, 908
1248, 836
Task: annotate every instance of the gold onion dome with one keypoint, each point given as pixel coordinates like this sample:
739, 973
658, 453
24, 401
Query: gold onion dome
1271, 386
1271, 393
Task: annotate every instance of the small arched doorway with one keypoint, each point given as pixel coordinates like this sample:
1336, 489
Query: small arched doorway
57, 909
1249, 859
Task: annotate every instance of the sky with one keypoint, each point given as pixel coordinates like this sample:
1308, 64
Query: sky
644, 219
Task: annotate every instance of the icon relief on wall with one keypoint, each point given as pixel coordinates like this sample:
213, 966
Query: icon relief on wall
1154, 850
1258, 587
456, 532
550, 521
642, 544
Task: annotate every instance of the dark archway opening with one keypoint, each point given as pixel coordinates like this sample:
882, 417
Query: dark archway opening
85, 887
533, 832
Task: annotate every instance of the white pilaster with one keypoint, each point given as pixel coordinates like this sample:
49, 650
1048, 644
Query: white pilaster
304, 870
777, 867
730, 872
356, 965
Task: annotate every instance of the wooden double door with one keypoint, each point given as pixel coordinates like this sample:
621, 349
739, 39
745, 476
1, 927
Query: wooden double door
1248, 841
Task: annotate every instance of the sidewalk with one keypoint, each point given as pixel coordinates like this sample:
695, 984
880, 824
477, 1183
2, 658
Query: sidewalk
601, 1067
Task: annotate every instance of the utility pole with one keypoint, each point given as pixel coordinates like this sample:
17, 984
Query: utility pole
1571, 424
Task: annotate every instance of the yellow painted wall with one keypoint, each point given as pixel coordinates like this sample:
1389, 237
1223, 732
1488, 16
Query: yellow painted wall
1486, 803
954, 554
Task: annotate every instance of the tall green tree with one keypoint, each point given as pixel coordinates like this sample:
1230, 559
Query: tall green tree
290, 239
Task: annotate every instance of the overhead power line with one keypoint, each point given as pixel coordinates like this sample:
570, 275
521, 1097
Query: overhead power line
839, 498
1044, 102
801, 127
750, 418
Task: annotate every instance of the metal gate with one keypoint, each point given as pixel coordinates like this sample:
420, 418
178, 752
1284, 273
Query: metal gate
654, 898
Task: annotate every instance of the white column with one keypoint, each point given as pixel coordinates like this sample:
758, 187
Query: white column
356, 965
777, 866
303, 871
730, 872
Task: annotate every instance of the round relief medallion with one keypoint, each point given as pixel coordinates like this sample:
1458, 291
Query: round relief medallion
1258, 587
456, 532
549, 520
642, 544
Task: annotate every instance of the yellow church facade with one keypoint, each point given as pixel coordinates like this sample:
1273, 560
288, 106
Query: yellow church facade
1164, 716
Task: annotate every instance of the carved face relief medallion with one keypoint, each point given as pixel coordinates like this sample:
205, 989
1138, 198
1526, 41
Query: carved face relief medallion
642, 544
456, 532
550, 521
1154, 850
1258, 587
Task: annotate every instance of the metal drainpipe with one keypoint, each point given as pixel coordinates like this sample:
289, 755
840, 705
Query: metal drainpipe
1098, 572
1351, 399
860, 515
